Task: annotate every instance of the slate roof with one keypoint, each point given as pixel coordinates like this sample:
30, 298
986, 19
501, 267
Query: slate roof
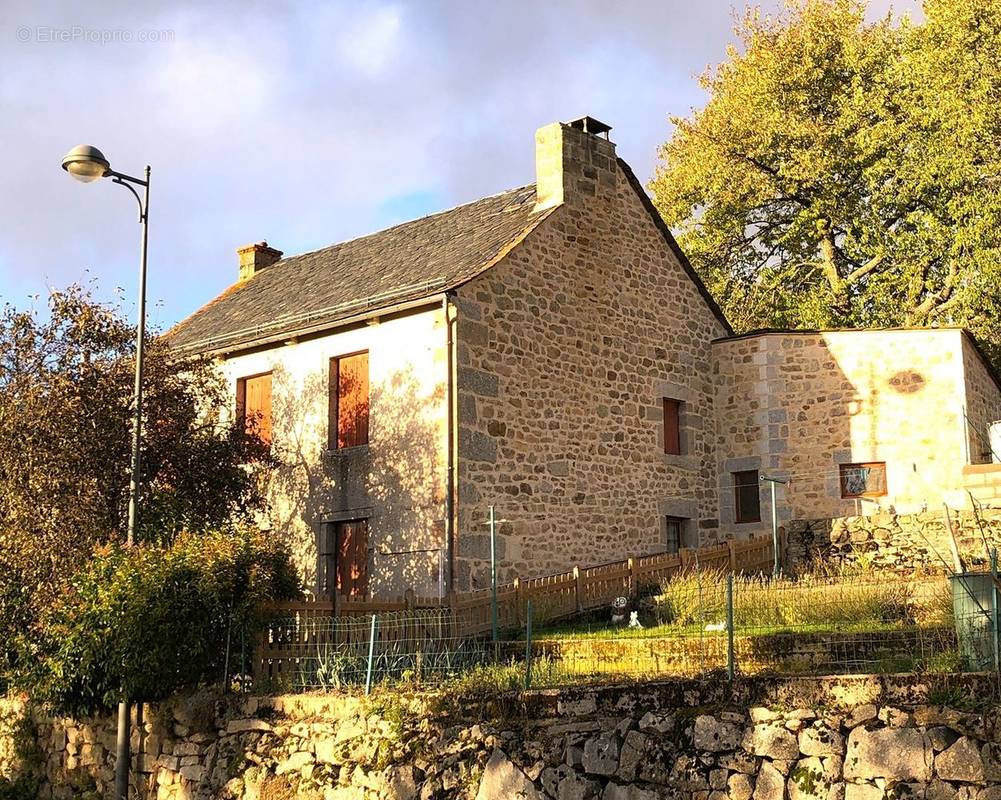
406, 262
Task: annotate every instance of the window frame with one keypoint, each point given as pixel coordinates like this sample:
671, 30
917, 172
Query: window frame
334, 401
843, 468
676, 445
241, 402
669, 521
739, 514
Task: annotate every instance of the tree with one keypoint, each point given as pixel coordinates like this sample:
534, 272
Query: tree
65, 419
847, 173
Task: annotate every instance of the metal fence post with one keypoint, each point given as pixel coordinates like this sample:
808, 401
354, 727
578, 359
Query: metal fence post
994, 610
729, 627
528, 645
371, 656
493, 575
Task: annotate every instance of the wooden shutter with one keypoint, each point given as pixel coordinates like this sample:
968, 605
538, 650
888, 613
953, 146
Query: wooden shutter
258, 404
352, 399
253, 405
672, 426
352, 558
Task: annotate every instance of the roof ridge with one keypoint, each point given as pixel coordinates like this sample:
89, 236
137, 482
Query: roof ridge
407, 222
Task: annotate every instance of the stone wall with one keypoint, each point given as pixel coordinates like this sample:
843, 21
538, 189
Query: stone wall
983, 404
898, 542
798, 404
566, 349
848, 738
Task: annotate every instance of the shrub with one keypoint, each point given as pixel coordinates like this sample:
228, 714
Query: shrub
141, 623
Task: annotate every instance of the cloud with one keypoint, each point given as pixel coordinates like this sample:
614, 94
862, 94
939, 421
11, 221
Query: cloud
369, 41
310, 123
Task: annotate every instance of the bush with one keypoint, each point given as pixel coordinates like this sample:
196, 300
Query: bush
142, 623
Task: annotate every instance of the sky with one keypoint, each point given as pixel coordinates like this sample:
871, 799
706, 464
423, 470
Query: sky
306, 124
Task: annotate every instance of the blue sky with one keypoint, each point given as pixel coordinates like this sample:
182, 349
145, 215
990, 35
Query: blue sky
305, 124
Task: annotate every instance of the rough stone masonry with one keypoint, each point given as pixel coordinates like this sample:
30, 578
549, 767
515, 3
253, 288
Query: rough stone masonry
848, 738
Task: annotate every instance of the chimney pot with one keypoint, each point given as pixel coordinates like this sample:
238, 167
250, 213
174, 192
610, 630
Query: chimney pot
574, 163
255, 257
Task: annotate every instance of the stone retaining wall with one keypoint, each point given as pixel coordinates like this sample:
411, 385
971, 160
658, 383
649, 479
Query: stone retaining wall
846, 738
899, 542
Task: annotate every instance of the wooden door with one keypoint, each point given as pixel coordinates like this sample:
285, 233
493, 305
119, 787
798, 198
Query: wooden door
352, 559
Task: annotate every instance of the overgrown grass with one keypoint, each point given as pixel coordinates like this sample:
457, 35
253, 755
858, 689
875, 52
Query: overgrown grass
695, 603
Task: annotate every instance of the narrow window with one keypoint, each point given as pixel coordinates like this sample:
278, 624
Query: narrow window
673, 529
745, 495
253, 405
672, 426
866, 479
348, 411
351, 556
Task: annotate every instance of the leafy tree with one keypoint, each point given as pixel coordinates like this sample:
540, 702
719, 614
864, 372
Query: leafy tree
150, 620
66, 382
845, 172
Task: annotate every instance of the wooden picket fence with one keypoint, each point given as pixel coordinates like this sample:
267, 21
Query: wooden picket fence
302, 626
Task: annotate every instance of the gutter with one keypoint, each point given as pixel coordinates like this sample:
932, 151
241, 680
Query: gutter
205, 347
450, 457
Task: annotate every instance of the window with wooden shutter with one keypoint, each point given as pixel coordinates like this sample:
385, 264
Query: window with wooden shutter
864, 479
672, 426
351, 555
253, 405
349, 401
747, 501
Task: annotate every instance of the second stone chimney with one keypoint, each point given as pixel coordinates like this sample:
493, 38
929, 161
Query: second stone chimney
255, 257
573, 161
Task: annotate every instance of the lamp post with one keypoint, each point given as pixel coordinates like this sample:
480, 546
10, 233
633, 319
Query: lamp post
87, 164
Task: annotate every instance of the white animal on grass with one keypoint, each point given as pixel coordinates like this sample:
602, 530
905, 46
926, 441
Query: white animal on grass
716, 626
634, 620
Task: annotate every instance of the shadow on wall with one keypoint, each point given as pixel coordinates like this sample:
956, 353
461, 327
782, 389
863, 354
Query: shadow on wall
827, 413
395, 481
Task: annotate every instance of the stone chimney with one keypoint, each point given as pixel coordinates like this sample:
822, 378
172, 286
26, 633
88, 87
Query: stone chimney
573, 161
255, 257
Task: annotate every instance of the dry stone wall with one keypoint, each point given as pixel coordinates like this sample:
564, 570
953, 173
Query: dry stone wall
898, 542
846, 738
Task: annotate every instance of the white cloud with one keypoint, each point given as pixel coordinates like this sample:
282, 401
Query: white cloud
369, 40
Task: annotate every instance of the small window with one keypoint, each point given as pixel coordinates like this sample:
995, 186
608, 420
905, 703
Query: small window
674, 528
672, 426
349, 401
866, 479
253, 405
745, 494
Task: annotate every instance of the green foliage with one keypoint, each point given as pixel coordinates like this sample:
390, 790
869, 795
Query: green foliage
809, 602
66, 385
148, 621
845, 172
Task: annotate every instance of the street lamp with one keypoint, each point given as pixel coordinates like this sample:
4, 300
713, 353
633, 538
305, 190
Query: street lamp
86, 164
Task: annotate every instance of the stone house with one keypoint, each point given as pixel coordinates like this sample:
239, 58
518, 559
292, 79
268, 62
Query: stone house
548, 350
858, 422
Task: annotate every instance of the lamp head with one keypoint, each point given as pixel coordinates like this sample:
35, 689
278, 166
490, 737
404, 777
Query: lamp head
86, 163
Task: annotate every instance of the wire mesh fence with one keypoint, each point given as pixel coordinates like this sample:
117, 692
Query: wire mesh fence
324, 652
695, 624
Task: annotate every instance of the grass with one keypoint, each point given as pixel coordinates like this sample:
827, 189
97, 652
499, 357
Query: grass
695, 605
